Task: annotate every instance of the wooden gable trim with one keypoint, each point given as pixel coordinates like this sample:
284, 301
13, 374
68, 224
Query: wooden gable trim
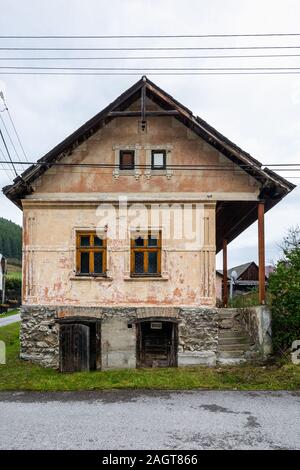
273, 185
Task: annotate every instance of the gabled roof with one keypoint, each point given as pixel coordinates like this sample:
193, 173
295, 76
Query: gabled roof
241, 269
273, 186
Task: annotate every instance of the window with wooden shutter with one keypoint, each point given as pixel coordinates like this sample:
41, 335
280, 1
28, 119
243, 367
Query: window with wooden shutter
90, 254
145, 256
126, 159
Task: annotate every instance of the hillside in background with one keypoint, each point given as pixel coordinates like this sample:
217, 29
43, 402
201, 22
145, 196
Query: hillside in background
10, 239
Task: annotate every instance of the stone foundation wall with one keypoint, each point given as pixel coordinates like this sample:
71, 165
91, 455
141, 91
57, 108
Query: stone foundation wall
39, 336
197, 336
258, 323
198, 332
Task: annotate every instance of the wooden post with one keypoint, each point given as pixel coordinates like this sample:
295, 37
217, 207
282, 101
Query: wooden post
261, 252
225, 285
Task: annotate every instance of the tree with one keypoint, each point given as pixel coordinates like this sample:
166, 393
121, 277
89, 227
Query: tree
291, 240
284, 287
10, 239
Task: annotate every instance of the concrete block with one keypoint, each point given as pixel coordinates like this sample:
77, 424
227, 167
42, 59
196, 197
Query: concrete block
192, 358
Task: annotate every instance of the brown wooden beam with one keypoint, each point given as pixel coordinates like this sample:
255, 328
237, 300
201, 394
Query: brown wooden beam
225, 274
143, 103
261, 252
169, 112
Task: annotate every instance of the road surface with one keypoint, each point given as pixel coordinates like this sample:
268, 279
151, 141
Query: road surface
150, 420
8, 320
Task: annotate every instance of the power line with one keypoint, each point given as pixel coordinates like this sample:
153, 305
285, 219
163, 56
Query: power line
179, 166
17, 134
150, 73
14, 127
10, 139
150, 36
9, 156
144, 48
3, 167
244, 56
141, 69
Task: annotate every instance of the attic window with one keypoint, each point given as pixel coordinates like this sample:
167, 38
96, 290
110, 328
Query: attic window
158, 159
126, 160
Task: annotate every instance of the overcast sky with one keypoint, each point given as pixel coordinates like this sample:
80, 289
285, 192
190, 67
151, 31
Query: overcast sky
259, 113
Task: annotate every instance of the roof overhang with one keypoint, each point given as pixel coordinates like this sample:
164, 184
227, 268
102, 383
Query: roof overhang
233, 217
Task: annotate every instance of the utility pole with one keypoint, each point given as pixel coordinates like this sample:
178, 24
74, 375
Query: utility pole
3, 268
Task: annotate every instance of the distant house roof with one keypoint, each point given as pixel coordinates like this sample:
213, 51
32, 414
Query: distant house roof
241, 268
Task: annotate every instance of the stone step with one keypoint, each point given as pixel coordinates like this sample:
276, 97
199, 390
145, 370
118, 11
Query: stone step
234, 340
227, 311
234, 347
226, 315
231, 333
230, 361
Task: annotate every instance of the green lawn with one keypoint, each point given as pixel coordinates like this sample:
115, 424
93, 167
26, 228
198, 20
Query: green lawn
8, 314
15, 275
21, 375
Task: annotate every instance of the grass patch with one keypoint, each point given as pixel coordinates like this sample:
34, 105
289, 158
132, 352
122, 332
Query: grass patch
14, 275
249, 299
9, 314
21, 375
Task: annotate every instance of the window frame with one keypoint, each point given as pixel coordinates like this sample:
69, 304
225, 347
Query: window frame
91, 249
121, 166
164, 152
145, 249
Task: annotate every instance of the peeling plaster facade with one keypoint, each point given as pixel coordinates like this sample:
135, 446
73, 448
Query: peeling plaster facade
65, 200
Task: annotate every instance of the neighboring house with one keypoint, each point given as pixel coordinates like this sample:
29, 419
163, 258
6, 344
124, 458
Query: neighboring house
108, 284
246, 277
219, 285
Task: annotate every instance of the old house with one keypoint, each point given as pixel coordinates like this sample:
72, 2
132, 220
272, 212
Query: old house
244, 278
122, 223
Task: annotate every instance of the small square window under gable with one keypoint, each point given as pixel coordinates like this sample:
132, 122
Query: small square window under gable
126, 161
158, 160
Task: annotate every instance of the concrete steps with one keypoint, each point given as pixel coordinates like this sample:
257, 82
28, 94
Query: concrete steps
242, 340
234, 347
239, 333
234, 340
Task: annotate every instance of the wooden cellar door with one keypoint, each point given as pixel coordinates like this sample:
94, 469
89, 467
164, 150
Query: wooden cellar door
157, 344
74, 348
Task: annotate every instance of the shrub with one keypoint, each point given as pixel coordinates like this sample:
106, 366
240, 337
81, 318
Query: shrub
13, 287
284, 287
13, 283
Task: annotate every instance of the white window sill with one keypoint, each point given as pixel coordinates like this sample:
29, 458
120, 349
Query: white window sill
158, 171
146, 278
90, 278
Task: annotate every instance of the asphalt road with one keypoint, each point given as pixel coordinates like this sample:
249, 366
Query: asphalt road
8, 320
150, 420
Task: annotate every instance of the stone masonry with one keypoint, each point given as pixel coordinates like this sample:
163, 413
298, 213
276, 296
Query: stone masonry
198, 333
